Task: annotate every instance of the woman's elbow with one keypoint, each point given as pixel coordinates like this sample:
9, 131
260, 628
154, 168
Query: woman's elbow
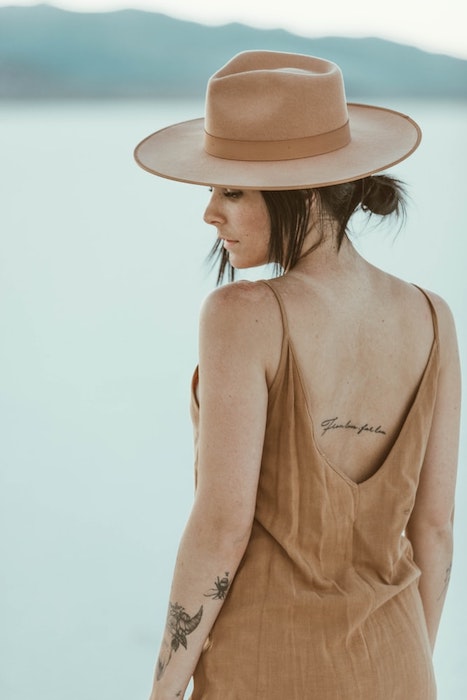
435, 526
222, 527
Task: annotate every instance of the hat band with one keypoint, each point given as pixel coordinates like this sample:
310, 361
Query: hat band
288, 149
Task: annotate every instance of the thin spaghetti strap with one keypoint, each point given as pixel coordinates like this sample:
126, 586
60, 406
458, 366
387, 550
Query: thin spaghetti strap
434, 315
285, 325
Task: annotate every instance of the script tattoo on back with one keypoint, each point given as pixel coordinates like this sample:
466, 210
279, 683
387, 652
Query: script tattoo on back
358, 429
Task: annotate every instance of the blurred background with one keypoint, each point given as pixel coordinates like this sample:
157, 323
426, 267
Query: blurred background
102, 273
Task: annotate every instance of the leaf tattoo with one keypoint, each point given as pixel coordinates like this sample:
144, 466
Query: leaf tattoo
179, 625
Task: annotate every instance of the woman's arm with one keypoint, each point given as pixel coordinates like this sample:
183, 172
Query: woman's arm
430, 529
233, 404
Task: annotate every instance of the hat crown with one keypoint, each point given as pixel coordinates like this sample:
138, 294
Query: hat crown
276, 121
266, 95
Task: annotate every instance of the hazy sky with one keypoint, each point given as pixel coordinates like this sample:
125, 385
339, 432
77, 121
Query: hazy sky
435, 26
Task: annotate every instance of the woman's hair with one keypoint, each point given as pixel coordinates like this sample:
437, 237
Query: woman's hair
290, 212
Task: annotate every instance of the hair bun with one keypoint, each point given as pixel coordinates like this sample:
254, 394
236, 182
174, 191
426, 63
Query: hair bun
381, 194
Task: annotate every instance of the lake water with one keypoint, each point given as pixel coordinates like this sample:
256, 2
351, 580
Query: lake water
101, 279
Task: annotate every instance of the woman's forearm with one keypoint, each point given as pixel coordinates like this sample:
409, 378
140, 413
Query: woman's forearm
207, 560
433, 549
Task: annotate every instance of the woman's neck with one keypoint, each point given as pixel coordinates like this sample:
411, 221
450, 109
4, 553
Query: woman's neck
325, 258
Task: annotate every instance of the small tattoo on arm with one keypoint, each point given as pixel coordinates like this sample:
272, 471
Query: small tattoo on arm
179, 626
221, 587
335, 424
447, 576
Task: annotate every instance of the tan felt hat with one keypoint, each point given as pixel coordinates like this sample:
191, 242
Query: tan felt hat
279, 121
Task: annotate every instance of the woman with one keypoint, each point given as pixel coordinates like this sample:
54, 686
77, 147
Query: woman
317, 555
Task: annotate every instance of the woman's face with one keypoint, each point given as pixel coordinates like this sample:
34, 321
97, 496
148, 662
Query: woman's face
242, 222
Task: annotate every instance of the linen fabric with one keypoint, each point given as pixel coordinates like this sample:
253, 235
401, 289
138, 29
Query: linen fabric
325, 603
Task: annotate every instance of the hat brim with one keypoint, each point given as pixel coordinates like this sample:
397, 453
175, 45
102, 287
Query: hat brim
380, 138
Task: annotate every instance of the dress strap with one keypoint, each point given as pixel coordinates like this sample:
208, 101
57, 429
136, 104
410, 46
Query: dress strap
434, 315
285, 324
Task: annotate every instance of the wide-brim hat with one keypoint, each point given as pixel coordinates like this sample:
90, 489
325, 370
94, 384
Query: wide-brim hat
275, 121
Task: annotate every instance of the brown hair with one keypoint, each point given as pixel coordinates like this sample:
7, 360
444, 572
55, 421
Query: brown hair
289, 214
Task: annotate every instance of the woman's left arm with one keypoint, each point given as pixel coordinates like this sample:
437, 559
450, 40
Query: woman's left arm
233, 405
430, 528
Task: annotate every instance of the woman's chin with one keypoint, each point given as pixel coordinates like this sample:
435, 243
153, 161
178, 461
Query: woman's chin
245, 264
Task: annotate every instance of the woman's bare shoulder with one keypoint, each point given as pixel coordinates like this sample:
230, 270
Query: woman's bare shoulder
413, 300
240, 306
413, 297
242, 320
447, 329
441, 306
242, 296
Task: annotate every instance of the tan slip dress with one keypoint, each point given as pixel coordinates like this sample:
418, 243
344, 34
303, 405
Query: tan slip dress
325, 603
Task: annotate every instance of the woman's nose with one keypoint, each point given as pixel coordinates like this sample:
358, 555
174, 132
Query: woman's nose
213, 214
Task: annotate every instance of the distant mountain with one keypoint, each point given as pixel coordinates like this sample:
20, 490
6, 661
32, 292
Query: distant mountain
50, 53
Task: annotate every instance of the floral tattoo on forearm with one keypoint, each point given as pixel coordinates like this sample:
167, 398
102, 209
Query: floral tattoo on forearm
179, 625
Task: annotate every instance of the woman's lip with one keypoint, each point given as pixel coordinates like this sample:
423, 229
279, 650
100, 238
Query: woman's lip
228, 242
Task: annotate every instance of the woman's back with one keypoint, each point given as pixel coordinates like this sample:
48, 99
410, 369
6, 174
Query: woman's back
361, 343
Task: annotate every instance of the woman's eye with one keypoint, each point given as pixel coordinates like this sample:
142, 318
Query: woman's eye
232, 194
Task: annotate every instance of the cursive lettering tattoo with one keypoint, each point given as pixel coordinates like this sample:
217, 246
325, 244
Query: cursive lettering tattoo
335, 424
179, 625
221, 587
